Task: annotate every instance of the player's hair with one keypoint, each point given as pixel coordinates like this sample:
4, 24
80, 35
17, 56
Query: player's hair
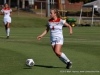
57, 13
6, 3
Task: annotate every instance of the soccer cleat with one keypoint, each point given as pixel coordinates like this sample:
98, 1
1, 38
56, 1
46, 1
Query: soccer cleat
69, 65
7, 37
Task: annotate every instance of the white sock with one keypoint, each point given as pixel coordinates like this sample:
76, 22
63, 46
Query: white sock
8, 31
64, 58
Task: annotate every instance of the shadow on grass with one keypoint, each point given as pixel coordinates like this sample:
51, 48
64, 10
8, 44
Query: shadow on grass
47, 66
42, 66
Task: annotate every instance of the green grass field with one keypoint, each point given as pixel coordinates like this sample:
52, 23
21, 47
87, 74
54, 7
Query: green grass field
82, 48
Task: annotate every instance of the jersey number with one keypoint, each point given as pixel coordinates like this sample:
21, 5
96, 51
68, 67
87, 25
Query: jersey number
53, 28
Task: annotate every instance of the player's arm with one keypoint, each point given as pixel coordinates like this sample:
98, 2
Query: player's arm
10, 13
70, 28
1, 13
44, 33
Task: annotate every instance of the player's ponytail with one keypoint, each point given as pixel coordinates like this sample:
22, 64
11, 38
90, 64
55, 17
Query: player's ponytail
57, 13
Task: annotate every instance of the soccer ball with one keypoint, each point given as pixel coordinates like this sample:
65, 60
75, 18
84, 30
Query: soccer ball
30, 62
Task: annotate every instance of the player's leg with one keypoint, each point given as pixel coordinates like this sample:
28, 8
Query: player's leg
8, 29
5, 23
61, 55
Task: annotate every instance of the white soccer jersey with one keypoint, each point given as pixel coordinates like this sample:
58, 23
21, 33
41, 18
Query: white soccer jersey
6, 12
56, 33
56, 27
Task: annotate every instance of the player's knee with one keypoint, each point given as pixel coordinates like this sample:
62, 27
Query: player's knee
57, 53
8, 26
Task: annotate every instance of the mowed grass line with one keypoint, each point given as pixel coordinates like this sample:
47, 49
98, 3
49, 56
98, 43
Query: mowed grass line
26, 20
83, 48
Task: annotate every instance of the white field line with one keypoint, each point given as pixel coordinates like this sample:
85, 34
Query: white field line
48, 41
77, 40
65, 39
82, 41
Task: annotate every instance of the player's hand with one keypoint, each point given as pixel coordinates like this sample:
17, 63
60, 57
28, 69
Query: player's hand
39, 37
70, 32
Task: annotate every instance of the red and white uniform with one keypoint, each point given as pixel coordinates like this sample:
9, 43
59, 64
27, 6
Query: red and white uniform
6, 12
56, 33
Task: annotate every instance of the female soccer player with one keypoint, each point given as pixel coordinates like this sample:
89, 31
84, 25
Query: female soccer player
6, 11
55, 25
